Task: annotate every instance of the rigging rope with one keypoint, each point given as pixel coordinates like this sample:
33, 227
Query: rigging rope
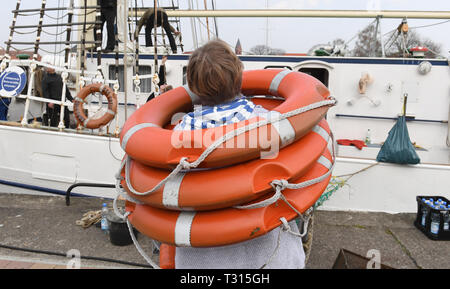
83, 41
57, 31
11, 32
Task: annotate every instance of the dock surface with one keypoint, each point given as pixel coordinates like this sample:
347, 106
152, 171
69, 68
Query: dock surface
38, 231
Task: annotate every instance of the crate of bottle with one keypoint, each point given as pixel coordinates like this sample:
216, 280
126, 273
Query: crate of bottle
433, 217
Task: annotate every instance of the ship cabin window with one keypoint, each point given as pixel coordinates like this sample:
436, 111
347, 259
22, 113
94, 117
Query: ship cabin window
319, 73
146, 84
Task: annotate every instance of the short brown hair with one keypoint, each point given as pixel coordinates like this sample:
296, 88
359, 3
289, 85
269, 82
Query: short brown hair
214, 73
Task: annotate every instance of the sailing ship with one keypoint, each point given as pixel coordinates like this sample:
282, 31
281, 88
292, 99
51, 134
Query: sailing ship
372, 92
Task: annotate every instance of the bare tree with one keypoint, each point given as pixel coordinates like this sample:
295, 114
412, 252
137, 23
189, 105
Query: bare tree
368, 44
265, 50
337, 42
413, 39
397, 44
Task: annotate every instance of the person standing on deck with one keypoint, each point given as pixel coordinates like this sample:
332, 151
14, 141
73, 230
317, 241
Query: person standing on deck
4, 105
108, 15
163, 86
52, 85
148, 19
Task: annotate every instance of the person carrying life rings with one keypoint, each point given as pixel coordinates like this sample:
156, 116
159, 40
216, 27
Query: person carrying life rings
214, 74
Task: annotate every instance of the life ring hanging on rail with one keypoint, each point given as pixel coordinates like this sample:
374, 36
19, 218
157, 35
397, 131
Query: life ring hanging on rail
229, 225
193, 190
78, 110
146, 141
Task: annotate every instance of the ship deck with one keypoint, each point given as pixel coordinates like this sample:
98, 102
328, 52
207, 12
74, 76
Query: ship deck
45, 223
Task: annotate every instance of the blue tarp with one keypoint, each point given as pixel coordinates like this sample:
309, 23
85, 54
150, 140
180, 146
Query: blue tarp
398, 147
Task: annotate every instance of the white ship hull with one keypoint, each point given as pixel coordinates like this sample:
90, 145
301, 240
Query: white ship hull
56, 160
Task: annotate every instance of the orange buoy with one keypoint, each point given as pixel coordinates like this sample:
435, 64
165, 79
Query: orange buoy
229, 225
146, 141
229, 186
78, 110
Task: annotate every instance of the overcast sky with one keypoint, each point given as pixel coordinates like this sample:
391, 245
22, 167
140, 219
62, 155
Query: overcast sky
294, 35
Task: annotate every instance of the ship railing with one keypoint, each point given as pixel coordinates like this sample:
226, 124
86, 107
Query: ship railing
96, 78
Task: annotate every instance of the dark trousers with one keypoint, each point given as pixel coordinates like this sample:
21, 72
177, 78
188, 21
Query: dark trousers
108, 15
51, 118
161, 20
4, 103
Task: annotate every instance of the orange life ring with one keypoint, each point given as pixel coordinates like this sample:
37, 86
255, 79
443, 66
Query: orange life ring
210, 189
145, 139
229, 225
78, 111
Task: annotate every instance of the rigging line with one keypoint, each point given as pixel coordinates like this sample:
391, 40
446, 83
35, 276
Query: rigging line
22, 49
53, 34
69, 34
177, 18
11, 32
389, 40
155, 49
136, 43
52, 52
436, 53
57, 31
178, 21
27, 32
204, 25
163, 32
81, 14
110, 150
26, 14
207, 20
98, 45
429, 25
423, 26
393, 41
89, 27
57, 17
38, 34
213, 4
83, 40
162, 29
359, 32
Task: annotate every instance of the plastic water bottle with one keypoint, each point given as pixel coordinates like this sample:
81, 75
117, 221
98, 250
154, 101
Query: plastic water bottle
368, 137
424, 212
435, 222
104, 221
446, 225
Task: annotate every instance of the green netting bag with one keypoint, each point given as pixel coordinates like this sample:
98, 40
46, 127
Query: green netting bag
398, 147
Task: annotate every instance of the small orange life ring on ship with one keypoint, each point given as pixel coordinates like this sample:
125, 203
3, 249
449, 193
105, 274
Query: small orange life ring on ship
78, 110
210, 189
229, 225
146, 141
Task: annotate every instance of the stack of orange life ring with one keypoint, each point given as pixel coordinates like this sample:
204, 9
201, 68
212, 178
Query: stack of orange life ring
206, 207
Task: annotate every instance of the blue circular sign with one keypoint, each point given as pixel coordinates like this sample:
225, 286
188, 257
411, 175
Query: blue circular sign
12, 81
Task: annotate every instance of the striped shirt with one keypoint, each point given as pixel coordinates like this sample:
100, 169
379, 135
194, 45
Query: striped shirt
213, 116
